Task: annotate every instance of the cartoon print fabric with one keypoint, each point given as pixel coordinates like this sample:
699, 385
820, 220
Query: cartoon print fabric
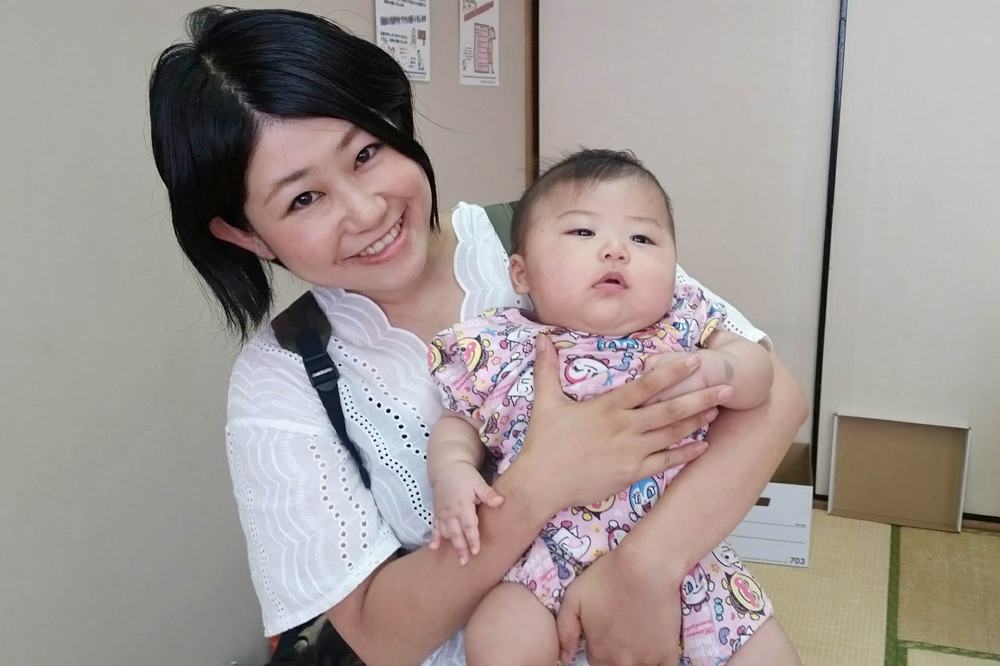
484, 367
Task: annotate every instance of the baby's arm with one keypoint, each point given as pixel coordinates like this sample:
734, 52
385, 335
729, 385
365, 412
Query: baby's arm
746, 366
727, 359
454, 455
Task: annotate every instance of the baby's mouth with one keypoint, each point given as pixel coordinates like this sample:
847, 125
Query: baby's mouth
611, 281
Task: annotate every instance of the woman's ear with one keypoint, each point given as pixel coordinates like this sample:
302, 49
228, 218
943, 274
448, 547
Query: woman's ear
248, 240
518, 274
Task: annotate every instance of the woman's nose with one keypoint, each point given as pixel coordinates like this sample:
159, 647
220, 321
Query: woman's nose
365, 210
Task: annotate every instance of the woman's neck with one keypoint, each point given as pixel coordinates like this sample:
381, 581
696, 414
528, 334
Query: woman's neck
434, 300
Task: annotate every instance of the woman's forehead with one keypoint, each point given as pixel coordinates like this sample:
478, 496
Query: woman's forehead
285, 146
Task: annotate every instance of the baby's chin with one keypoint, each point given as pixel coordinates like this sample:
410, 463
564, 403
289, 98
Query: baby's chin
604, 322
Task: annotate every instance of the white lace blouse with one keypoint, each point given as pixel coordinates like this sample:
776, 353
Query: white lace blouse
313, 531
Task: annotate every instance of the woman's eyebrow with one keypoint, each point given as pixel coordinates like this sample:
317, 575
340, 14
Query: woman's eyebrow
294, 176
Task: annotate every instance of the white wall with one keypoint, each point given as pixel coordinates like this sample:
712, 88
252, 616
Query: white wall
119, 540
730, 104
914, 301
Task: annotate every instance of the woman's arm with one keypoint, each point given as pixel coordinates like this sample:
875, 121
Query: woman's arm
413, 604
745, 449
627, 603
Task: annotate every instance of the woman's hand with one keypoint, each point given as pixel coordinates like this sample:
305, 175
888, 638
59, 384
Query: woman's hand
626, 617
577, 453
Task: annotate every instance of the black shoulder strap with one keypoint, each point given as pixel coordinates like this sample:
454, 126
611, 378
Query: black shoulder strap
501, 216
304, 329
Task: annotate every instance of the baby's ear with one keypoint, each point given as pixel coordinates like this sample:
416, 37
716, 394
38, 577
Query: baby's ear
518, 274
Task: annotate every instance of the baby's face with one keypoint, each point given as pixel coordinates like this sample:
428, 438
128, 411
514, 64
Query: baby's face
599, 258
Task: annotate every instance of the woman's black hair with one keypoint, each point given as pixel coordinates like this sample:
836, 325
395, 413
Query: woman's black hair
208, 98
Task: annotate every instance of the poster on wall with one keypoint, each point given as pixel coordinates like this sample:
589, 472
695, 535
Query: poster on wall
479, 42
403, 30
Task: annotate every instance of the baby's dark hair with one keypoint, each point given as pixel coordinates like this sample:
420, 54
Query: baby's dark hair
583, 168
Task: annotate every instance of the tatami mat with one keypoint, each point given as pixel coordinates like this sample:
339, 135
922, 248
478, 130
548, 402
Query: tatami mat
926, 658
835, 611
949, 590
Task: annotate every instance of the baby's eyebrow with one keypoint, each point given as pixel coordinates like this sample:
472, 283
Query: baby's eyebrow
634, 218
642, 218
575, 211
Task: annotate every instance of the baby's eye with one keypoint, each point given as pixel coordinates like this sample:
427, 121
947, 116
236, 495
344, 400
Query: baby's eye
305, 199
581, 232
642, 240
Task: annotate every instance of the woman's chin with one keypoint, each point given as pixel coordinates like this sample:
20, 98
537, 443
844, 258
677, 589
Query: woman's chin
395, 277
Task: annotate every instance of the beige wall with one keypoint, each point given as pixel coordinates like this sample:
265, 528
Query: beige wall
730, 104
119, 541
914, 301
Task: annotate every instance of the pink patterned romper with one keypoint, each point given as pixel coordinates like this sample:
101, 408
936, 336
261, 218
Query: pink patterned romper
485, 369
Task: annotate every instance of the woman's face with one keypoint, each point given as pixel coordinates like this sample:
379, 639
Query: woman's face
337, 207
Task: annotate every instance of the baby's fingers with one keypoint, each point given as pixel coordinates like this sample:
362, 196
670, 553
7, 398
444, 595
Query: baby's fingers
458, 540
488, 496
470, 527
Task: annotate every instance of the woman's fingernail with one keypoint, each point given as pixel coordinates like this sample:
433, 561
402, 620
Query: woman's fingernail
693, 361
725, 393
711, 414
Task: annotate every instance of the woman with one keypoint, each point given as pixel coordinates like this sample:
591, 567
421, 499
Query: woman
283, 140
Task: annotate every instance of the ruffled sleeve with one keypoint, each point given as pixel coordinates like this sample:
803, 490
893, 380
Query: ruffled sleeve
459, 361
735, 321
694, 316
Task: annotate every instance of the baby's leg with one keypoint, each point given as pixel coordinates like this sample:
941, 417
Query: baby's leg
769, 646
511, 627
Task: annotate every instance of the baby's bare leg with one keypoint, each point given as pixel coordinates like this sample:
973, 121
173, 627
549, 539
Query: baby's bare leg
511, 627
769, 646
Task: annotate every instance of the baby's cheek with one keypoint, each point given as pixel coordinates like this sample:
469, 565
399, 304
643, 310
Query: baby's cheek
657, 286
552, 290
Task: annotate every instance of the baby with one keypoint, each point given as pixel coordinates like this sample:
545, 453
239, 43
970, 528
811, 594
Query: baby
594, 250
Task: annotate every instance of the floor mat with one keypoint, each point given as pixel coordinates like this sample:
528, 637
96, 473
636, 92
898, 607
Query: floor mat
926, 658
835, 611
949, 589
875, 594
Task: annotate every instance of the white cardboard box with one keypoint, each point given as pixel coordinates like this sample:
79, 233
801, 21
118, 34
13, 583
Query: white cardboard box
777, 530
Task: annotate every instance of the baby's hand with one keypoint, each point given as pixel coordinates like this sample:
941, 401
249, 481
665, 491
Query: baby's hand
458, 488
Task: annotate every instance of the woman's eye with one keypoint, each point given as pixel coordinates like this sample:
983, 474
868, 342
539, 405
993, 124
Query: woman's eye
642, 240
581, 232
367, 154
305, 199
